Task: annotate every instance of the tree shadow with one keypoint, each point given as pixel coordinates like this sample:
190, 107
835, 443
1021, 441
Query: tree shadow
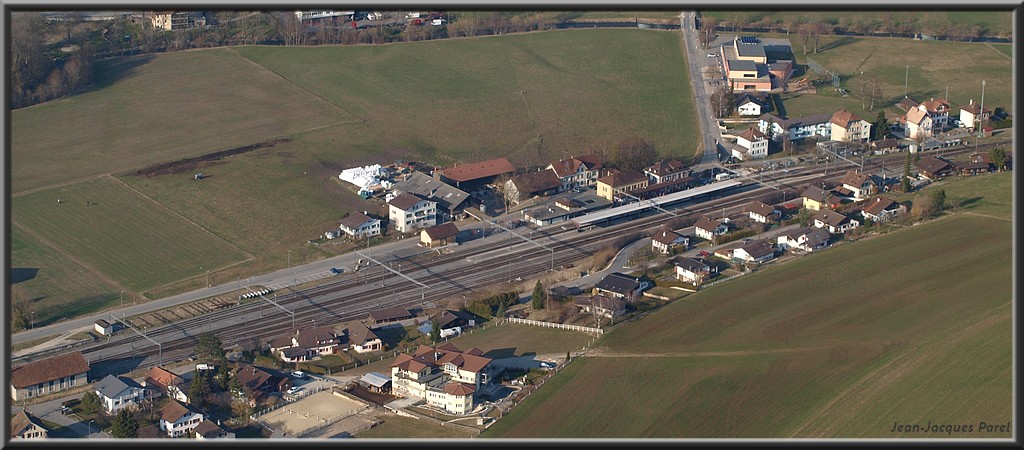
845, 40
19, 274
968, 201
112, 71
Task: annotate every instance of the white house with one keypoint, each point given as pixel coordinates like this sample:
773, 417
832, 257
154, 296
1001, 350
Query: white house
834, 222
847, 127
754, 145
859, 183
972, 113
363, 339
882, 209
664, 241
751, 105
409, 211
756, 251
807, 239
359, 225
177, 419
665, 171
818, 125
444, 376
695, 271
24, 425
708, 228
577, 172
760, 212
118, 392
103, 327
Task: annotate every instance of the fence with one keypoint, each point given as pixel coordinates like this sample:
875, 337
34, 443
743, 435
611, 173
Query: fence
555, 325
821, 70
295, 398
327, 422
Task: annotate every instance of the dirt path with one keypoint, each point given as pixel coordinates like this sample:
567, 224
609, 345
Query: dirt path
602, 353
997, 51
891, 372
990, 217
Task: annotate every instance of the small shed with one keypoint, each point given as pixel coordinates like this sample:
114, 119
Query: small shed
376, 382
103, 327
439, 235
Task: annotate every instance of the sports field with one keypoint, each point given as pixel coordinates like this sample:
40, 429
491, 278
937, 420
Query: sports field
909, 327
120, 234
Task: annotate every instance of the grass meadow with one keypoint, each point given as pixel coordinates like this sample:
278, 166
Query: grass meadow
999, 23
906, 327
517, 339
399, 427
988, 195
123, 236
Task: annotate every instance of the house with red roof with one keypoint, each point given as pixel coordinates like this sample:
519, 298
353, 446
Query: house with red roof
578, 171
443, 376
48, 375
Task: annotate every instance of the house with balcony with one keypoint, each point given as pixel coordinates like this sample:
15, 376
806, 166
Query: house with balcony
358, 225
926, 119
451, 201
860, 184
882, 209
834, 222
576, 172
178, 419
796, 129
807, 239
165, 382
694, 270
971, 114
117, 393
848, 127
443, 376
409, 212
750, 144
610, 186
665, 171
816, 198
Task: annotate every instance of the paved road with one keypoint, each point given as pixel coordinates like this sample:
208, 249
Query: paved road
697, 60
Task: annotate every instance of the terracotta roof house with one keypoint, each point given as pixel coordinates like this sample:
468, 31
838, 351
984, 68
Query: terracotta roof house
444, 376
756, 251
694, 270
859, 183
763, 213
609, 186
474, 175
620, 285
602, 305
532, 184
209, 430
834, 222
118, 392
165, 382
971, 114
933, 168
847, 127
392, 314
580, 171
363, 339
178, 419
439, 235
882, 209
665, 240
816, 198
807, 239
410, 211
664, 171
709, 228
24, 425
48, 375
358, 225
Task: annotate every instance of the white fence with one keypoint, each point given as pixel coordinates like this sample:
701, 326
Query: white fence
555, 325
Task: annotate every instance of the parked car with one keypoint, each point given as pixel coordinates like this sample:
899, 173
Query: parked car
293, 390
335, 270
299, 374
547, 365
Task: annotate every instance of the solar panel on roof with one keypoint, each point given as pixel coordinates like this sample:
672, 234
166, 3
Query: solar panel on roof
748, 40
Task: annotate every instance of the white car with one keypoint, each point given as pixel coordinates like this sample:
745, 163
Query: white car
294, 389
299, 374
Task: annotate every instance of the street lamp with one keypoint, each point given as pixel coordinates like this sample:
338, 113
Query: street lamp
122, 299
32, 322
289, 258
90, 428
207, 277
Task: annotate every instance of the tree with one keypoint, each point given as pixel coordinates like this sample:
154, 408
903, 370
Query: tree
792, 21
539, 297
880, 129
209, 349
721, 102
501, 310
125, 426
805, 217
435, 330
223, 377
905, 182
90, 403
805, 31
707, 30
635, 153
998, 156
928, 205
21, 316
199, 389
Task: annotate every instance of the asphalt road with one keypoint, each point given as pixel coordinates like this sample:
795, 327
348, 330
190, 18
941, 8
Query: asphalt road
697, 60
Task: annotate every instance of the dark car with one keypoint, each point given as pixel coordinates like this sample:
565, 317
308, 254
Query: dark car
335, 270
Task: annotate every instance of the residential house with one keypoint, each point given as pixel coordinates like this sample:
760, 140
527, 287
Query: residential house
816, 198
836, 223
602, 305
882, 209
859, 184
165, 382
451, 201
358, 225
473, 176
927, 119
609, 186
209, 430
24, 425
532, 184
883, 146
987, 159
448, 320
581, 171
752, 144
970, 167
762, 213
753, 104
907, 104
261, 382
665, 241
847, 127
178, 419
620, 285
439, 235
410, 211
103, 327
444, 376
971, 114
755, 251
933, 168
117, 393
363, 339
694, 270
665, 171
175, 20
819, 125
709, 228
48, 375
388, 315
807, 239
307, 343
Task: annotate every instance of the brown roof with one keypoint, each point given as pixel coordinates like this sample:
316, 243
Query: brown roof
392, 313
830, 217
916, 116
315, 337
760, 208
22, 421
758, 248
974, 108
662, 167
209, 429
932, 164
855, 179
907, 104
162, 378
707, 223
425, 356
405, 201
443, 231
411, 363
174, 410
885, 143
460, 389
567, 167
359, 334
936, 106
622, 178
260, 378
879, 204
844, 117
817, 194
528, 183
971, 165
666, 237
477, 170
54, 368
356, 218
752, 134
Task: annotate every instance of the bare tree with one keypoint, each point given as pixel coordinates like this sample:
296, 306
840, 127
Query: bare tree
635, 153
792, 22
707, 31
721, 102
805, 31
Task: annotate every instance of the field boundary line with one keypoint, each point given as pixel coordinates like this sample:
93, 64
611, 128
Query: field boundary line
908, 359
122, 183
355, 118
997, 51
604, 354
61, 184
102, 276
990, 217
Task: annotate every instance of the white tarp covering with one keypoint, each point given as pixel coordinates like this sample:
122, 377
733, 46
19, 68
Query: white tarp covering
363, 177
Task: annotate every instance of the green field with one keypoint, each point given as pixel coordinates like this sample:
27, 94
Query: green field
988, 194
794, 351
122, 235
155, 108
996, 22
399, 427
